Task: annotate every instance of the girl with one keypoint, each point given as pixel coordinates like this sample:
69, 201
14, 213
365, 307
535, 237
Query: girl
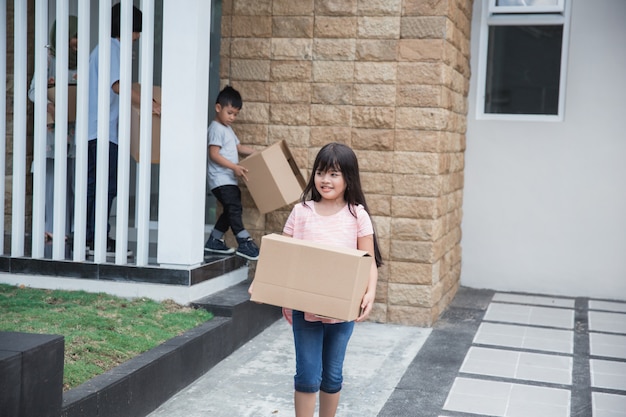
71, 147
336, 214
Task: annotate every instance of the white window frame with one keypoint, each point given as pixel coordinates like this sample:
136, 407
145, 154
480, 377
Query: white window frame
493, 15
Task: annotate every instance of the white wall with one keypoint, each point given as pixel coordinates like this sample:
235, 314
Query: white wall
545, 203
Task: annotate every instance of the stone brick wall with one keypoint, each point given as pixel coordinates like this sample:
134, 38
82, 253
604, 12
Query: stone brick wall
389, 78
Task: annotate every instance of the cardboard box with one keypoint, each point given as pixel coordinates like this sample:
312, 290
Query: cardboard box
274, 179
135, 123
71, 103
321, 279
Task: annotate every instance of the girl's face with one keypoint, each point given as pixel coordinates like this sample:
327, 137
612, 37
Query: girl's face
226, 115
330, 184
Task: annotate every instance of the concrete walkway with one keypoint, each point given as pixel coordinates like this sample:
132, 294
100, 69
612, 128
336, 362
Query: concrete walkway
490, 354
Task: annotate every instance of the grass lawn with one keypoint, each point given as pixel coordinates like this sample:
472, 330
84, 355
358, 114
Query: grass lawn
101, 331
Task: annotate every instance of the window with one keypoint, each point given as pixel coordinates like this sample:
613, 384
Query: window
522, 60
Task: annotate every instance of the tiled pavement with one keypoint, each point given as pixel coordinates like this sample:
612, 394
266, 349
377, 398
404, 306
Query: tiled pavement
490, 354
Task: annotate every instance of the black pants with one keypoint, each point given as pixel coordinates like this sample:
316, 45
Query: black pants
91, 184
230, 198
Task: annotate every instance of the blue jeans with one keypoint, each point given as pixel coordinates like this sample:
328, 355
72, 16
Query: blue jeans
320, 350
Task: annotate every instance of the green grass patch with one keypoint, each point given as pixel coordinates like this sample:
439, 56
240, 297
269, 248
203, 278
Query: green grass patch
101, 331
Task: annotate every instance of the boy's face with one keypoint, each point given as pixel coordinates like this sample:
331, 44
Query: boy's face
226, 115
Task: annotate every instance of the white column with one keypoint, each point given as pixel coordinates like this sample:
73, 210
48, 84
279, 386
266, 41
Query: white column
185, 89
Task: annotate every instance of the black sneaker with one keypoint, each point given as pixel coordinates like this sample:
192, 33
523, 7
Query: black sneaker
217, 246
110, 248
248, 249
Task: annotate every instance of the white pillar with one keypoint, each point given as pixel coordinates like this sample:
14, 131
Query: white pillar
185, 89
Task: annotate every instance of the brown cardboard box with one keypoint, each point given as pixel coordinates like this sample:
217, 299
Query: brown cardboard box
135, 118
321, 279
71, 103
274, 179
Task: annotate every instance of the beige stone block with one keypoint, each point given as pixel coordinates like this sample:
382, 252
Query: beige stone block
251, 26
373, 117
380, 8
294, 136
411, 316
457, 161
382, 226
416, 95
376, 183
250, 48
375, 72
293, 8
275, 220
290, 92
327, 115
373, 139
292, 26
336, 7
334, 49
253, 91
412, 272
420, 49
225, 66
420, 73
375, 161
427, 118
427, 7
376, 49
415, 140
416, 207
252, 134
374, 94
417, 185
410, 250
250, 69
333, 71
378, 313
291, 71
286, 48
321, 135
423, 27
335, 27
327, 93
252, 7
289, 114
423, 230
253, 113
379, 204
417, 163
378, 27
411, 295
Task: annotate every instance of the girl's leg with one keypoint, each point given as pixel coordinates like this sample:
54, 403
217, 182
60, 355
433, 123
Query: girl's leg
304, 403
328, 404
308, 341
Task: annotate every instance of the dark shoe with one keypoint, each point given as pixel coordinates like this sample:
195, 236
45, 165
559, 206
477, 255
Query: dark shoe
217, 246
248, 249
110, 248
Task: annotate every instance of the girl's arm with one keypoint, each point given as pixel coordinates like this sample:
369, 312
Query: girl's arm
214, 154
366, 243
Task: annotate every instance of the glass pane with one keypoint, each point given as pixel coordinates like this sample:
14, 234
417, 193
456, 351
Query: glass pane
523, 69
527, 3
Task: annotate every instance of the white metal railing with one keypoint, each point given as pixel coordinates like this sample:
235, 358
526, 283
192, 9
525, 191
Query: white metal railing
142, 199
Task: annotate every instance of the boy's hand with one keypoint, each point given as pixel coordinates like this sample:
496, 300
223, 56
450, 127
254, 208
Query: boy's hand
156, 107
241, 172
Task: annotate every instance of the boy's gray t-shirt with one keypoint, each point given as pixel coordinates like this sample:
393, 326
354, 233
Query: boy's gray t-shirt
225, 138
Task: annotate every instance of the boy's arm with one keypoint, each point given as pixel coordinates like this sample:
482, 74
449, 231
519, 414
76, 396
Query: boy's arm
214, 154
245, 150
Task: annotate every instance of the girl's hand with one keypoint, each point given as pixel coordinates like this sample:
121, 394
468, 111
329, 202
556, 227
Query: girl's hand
366, 305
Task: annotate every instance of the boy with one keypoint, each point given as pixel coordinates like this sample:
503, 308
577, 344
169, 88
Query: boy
223, 170
114, 101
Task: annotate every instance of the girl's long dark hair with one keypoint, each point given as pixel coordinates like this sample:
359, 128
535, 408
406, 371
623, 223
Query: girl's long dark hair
340, 157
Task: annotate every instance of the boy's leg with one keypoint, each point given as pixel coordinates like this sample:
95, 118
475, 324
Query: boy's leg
91, 189
230, 198
215, 242
112, 181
